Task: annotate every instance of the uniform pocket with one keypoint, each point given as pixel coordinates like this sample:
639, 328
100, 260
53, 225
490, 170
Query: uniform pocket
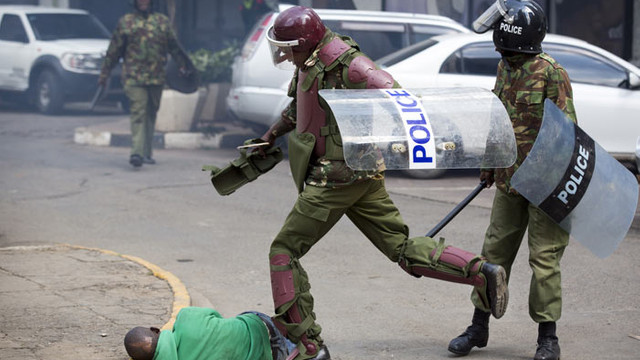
311, 210
529, 97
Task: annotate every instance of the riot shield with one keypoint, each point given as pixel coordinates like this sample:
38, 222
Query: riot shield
578, 184
430, 128
184, 82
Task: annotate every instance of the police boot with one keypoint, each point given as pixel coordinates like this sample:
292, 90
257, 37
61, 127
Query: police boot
456, 265
294, 308
548, 347
475, 335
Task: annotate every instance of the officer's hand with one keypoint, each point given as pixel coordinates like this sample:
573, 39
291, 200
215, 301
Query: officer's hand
184, 71
102, 81
267, 138
487, 177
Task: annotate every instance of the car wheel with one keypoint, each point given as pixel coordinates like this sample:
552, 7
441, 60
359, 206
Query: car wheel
425, 174
48, 95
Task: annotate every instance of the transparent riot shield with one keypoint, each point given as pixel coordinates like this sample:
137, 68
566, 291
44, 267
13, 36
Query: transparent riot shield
431, 128
578, 184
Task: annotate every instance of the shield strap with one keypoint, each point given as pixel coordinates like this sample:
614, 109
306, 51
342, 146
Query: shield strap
575, 181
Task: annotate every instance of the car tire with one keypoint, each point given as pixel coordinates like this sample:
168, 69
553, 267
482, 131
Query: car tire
48, 95
425, 174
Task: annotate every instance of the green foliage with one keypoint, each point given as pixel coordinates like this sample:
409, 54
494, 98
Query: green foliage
215, 67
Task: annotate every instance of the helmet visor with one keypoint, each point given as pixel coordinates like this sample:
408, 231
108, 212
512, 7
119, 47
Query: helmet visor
281, 51
490, 16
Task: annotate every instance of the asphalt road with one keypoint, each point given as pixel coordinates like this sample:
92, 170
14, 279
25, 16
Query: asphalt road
55, 191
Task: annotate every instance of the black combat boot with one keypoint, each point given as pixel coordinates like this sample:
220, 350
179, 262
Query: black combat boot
548, 347
475, 335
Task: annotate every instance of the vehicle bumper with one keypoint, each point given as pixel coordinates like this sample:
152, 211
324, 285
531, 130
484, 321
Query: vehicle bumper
82, 87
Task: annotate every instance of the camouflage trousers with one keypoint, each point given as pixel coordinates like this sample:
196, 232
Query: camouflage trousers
145, 101
511, 216
368, 205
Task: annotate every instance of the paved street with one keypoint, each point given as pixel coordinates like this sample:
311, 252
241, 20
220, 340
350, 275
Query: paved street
54, 191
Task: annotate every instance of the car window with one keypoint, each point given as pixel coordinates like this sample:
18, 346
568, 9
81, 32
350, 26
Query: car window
67, 26
11, 29
420, 33
405, 53
375, 39
584, 66
473, 59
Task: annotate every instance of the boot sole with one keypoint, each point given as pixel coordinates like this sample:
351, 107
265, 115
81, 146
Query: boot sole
498, 292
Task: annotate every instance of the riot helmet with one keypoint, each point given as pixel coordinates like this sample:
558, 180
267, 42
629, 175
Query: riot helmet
518, 25
135, 5
295, 32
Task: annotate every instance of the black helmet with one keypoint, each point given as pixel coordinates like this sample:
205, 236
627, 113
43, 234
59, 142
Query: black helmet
518, 25
134, 3
522, 29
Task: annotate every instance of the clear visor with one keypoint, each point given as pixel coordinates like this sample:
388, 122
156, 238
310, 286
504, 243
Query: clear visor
281, 51
485, 21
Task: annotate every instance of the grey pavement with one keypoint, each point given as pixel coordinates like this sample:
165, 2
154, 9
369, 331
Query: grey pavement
67, 302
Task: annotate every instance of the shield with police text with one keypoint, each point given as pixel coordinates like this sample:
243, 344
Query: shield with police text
578, 184
430, 128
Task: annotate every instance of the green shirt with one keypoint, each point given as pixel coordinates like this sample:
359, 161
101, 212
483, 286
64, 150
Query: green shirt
523, 83
202, 334
143, 40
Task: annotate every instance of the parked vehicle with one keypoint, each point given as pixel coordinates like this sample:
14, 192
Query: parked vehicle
258, 89
606, 88
53, 56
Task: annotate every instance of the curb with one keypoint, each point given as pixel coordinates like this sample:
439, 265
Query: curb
181, 297
171, 140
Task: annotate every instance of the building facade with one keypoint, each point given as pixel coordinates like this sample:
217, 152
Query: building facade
213, 24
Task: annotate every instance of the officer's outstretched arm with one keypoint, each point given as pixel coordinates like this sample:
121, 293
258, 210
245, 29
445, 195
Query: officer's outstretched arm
285, 124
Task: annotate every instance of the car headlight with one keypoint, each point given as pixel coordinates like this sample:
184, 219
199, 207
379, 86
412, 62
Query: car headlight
82, 63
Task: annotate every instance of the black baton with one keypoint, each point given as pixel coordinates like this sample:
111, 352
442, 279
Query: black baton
457, 209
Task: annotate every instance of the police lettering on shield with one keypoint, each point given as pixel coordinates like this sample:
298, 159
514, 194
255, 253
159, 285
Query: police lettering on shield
418, 127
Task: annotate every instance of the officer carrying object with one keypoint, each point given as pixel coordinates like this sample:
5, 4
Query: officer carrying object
246, 168
573, 180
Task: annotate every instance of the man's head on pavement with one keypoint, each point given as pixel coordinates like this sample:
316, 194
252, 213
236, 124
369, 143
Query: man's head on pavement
141, 342
295, 34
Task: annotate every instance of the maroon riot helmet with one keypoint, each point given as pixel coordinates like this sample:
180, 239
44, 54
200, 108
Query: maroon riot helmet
296, 30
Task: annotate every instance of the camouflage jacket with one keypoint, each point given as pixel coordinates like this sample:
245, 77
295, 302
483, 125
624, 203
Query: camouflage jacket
143, 41
522, 84
324, 172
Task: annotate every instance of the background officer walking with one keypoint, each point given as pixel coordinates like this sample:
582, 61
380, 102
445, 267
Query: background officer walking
526, 77
143, 39
328, 189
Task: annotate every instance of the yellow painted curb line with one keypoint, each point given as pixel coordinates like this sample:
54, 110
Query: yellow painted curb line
181, 297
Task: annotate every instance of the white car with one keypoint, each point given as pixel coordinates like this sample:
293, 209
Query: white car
52, 55
606, 88
258, 91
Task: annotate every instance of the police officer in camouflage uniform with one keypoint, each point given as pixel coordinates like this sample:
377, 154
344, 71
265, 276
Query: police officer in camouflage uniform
328, 189
143, 39
526, 76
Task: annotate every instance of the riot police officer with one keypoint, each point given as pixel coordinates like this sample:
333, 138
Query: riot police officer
328, 189
526, 77
142, 39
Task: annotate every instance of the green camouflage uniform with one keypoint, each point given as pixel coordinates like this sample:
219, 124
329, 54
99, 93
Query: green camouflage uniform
333, 190
523, 82
143, 41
